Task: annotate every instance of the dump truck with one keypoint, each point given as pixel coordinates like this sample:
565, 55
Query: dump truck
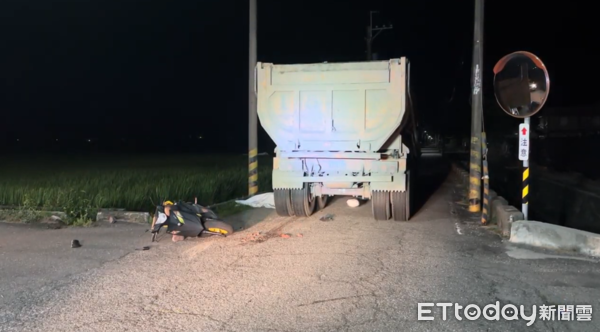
340, 129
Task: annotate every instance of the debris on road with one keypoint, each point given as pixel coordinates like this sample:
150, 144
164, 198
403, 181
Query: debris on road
143, 248
300, 235
353, 202
254, 237
265, 200
75, 244
327, 217
285, 235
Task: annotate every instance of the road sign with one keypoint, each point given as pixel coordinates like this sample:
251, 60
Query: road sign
523, 141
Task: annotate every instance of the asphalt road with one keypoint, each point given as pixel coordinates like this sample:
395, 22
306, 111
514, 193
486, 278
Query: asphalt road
348, 274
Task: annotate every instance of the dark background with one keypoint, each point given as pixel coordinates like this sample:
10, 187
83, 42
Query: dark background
146, 74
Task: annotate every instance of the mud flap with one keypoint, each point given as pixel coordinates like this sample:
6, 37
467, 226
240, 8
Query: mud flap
398, 184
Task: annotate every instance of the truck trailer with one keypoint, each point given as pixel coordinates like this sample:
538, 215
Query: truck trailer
340, 129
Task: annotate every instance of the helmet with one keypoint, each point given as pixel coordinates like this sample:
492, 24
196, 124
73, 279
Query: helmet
167, 203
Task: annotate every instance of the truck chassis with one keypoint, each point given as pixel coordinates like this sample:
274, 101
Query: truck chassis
382, 178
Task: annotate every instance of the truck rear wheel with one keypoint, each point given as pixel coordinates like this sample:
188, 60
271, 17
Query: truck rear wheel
303, 203
399, 206
283, 202
401, 202
380, 205
322, 202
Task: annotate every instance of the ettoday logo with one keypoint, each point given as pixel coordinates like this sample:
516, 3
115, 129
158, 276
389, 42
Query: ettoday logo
474, 312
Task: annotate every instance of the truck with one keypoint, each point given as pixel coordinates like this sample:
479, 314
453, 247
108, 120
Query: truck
340, 129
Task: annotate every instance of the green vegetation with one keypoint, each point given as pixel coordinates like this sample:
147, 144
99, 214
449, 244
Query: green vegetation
79, 186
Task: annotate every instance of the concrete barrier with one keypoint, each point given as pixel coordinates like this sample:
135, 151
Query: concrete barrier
534, 233
506, 216
555, 237
494, 206
500, 212
493, 196
123, 216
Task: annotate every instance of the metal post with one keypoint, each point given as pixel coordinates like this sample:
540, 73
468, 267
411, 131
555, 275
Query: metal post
525, 206
486, 182
370, 36
369, 43
252, 115
477, 112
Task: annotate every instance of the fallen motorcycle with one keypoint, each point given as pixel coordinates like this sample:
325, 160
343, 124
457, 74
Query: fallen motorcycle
188, 220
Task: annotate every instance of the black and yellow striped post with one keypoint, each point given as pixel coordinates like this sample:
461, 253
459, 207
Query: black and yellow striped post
525, 195
486, 182
475, 176
252, 172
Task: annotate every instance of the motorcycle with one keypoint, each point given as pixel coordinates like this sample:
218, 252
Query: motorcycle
187, 220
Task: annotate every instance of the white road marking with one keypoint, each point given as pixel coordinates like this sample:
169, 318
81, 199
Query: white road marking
458, 230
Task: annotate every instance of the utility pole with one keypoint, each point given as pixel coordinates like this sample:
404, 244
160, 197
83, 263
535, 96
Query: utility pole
252, 114
476, 112
369, 39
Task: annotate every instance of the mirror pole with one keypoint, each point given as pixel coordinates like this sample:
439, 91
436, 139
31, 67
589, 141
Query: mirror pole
525, 194
476, 112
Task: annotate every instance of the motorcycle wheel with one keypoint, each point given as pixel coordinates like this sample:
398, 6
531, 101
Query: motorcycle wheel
218, 227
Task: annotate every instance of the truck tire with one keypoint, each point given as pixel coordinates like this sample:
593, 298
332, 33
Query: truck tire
380, 205
401, 202
303, 203
283, 202
322, 202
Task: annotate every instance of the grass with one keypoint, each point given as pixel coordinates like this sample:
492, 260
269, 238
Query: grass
81, 185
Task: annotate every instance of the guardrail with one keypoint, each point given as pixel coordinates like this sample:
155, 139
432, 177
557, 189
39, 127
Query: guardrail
561, 198
499, 212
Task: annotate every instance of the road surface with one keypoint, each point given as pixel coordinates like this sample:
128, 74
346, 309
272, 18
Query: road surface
347, 274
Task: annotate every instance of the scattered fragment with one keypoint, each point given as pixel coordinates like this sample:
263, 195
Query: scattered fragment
353, 202
300, 235
254, 237
75, 244
285, 236
111, 219
144, 248
327, 217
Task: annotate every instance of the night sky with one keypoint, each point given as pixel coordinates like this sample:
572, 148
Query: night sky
108, 70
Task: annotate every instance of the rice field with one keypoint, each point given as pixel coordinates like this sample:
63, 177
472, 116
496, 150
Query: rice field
135, 183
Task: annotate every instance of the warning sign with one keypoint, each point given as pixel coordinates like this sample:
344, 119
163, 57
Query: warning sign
523, 142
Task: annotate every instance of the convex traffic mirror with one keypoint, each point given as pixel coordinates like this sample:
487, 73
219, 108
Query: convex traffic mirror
521, 84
